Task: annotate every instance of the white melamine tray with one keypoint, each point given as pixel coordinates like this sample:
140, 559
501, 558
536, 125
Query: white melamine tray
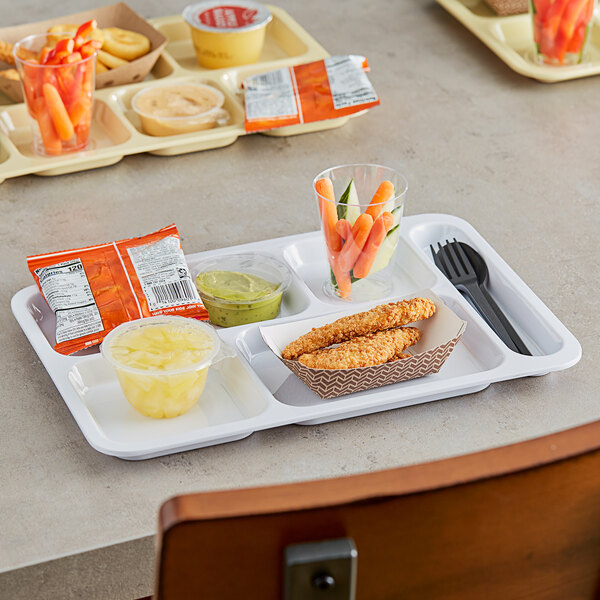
255, 391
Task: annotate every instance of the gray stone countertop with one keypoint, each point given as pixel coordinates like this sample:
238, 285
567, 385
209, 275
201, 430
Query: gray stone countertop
514, 157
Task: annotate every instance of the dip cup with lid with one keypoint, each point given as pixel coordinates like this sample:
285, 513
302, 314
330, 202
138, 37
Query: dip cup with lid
162, 362
227, 33
179, 108
242, 288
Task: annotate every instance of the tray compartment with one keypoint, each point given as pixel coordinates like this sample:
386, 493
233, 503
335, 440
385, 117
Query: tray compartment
307, 257
199, 140
281, 42
472, 355
107, 130
527, 321
296, 298
230, 396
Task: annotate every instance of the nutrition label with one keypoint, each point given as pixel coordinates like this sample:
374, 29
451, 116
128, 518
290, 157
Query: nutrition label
163, 274
349, 86
67, 291
270, 95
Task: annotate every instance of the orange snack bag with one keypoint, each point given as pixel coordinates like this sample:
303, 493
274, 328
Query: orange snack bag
334, 87
92, 290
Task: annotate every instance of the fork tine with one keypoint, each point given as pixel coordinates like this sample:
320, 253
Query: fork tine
446, 265
463, 256
436, 258
453, 256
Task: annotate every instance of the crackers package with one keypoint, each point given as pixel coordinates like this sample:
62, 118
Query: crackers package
92, 290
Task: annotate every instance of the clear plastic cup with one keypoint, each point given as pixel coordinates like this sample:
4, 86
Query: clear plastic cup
59, 98
360, 236
242, 288
561, 30
162, 362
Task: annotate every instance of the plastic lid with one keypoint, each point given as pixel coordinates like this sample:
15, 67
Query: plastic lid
188, 323
220, 98
240, 15
260, 265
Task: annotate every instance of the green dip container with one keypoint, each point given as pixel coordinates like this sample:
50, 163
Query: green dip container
242, 288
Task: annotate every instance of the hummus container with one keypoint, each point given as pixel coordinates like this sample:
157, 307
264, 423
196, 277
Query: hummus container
162, 362
242, 288
227, 33
179, 108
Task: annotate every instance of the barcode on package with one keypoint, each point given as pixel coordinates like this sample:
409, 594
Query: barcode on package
163, 274
349, 85
270, 95
173, 292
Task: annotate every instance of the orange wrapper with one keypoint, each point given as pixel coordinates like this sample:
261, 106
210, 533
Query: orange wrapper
92, 290
325, 89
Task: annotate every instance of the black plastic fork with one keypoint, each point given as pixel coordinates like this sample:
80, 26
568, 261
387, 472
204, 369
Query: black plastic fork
452, 260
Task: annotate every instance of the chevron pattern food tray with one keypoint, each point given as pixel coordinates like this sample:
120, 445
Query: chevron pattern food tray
440, 334
255, 390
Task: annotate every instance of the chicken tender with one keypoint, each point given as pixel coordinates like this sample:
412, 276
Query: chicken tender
380, 318
364, 351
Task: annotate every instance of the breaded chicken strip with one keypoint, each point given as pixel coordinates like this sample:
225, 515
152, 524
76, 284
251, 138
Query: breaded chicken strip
384, 316
363, 351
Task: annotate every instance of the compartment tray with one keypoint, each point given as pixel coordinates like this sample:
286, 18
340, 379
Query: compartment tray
255, 391
511, 39
116, 131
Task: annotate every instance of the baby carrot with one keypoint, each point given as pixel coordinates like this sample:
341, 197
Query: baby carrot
342, 277
50, 139
353, 246
384, 192
378, 232
344, 229
79, 109
324, 189
58, 112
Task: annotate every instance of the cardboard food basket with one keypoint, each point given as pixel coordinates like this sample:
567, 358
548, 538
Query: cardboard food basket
439, 335
115, 15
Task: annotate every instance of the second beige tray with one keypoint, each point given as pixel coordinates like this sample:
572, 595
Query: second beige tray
511, 39
116, 130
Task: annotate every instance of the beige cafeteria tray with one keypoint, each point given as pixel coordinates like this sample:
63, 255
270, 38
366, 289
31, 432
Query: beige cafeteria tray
511, 39
116, 130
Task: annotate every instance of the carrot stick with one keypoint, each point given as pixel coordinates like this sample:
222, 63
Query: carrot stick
50, 139
378, 232
78, 110
384, 192
58, 112
342, 277
354, 245
324, 189
344, 229
569, 19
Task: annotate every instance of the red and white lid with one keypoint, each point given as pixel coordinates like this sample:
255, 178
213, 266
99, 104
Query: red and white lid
227, 15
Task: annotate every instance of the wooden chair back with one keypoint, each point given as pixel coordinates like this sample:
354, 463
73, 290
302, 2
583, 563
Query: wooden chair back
521, 521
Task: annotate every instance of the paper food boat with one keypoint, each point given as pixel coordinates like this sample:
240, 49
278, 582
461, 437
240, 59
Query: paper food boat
439, 336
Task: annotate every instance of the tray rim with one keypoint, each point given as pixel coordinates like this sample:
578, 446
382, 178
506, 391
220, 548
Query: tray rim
277, 413
481, 27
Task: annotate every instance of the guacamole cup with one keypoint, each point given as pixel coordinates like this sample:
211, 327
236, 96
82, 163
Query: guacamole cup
162, 362
242, 288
